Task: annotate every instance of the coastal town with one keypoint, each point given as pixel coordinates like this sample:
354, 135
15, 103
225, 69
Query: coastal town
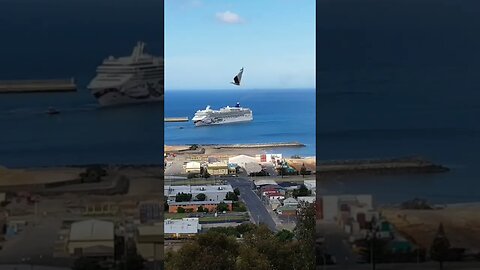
209, 187
85, 217
355, 232
130, 216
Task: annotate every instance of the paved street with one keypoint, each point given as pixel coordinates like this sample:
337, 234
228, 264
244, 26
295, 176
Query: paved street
255, 206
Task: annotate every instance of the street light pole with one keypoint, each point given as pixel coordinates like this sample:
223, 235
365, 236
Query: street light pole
324, 261
372, 257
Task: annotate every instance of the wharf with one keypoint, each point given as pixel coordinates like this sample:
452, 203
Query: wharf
256, 145
38, 86
379, 166
176, 119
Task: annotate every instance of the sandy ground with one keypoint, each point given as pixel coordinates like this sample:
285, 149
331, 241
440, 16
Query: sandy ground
461, 224
34, 176
210, 150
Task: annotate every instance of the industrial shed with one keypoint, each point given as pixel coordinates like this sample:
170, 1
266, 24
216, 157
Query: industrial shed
91, 238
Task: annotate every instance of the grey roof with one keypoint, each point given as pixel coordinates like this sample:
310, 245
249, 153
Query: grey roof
91, 230
198, 202
290, 200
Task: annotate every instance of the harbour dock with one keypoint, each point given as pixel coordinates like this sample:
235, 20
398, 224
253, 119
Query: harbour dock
38, 86
258, 145
379, 166
176, 119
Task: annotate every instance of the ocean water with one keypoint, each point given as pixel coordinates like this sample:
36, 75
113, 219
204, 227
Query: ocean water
61, 39
401, 78
278, 116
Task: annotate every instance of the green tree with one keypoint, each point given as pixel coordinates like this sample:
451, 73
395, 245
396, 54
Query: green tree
183, 197
250, 258
180, 210
285, 235
222, 207
305, 234
231, 196
92, 174
302, 191
303, 170
440, 246
237, 191
239, 207
212, 250
201, 197
246, 227
200, 209
135, 262
206, 174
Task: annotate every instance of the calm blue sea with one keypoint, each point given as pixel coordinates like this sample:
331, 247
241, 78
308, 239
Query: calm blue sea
60, 39
278, 116
401, 78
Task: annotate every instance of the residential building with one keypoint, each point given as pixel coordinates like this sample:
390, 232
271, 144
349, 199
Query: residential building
274, 204
212, 192
232, 168
193, 206
289, 185
287, 210
311, 185
336, 208
150, 211
252, 167
290, 202
192, 167
217, 168
274, 195
263, 182
149, 241
273, 158
306, 199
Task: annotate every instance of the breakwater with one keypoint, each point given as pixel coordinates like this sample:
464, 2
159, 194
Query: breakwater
256, 145
176, 119
379, 166
33, 86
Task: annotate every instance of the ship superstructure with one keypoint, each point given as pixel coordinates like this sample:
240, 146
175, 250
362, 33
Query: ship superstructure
224, 115
131, 79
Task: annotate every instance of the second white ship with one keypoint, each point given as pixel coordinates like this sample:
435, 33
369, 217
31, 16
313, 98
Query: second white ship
225, 115
136, 78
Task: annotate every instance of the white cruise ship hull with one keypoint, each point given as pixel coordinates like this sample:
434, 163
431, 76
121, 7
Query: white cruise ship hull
129, 93
209, 122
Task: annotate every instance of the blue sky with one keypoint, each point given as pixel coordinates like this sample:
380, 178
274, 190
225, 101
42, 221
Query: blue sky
208, 41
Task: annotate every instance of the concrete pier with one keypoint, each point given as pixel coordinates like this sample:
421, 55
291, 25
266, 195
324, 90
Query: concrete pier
37, 86
258, 145
379, 166
176, 119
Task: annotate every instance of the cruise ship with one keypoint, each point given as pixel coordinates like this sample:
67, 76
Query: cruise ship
136, 78
225, 115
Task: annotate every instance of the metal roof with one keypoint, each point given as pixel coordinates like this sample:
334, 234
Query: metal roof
185, 225
91, 230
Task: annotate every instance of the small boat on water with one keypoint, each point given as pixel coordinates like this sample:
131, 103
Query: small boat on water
52, 111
